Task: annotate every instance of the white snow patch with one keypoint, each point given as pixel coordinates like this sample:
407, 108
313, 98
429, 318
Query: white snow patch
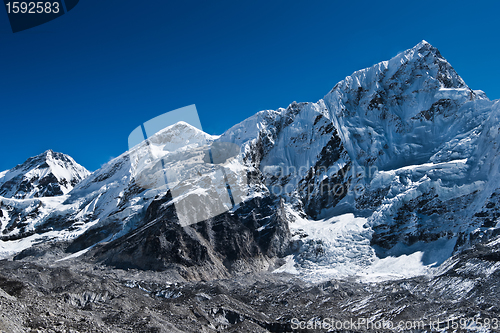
339, 247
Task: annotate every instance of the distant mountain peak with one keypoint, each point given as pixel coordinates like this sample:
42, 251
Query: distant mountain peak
182, 127
47, 174
178, 135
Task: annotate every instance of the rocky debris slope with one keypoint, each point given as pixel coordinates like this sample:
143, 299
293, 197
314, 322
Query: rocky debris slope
71, 296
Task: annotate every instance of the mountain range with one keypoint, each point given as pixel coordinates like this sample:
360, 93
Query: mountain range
394, 174
405, 145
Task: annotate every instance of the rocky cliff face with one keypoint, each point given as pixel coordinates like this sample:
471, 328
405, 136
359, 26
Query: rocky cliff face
249, 239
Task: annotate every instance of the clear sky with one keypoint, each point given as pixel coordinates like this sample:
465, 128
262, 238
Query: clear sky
81, 83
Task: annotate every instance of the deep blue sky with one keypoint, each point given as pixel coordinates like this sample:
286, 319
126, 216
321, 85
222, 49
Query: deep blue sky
81, 83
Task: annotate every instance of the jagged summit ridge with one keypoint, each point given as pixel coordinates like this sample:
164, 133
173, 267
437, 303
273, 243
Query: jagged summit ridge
416, 61
392, 114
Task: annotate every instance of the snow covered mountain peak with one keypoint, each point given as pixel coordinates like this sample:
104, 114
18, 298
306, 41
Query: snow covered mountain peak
392, 114
45, 175
182, 132
181, 127
173, 137
421, 68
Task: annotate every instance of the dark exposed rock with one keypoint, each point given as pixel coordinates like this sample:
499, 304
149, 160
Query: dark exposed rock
444, 107
213, 248
317, 194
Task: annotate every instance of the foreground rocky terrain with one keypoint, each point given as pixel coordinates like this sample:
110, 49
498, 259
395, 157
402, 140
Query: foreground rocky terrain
71, 296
